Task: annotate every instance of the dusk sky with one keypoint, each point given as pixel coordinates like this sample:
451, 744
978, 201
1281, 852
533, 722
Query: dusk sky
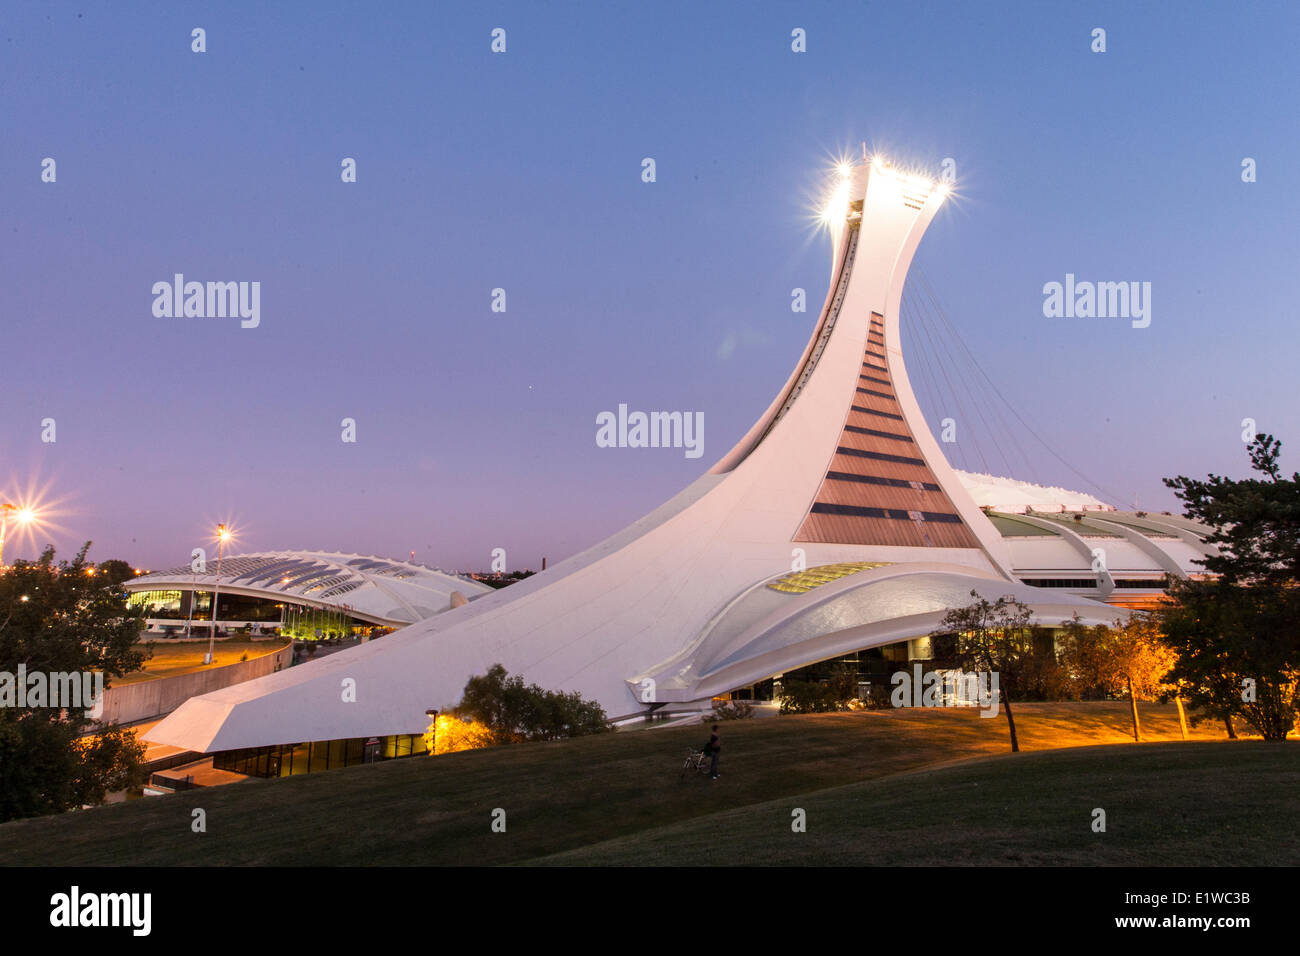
522, 170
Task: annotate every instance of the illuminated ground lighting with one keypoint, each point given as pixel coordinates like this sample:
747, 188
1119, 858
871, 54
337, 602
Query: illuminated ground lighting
449, 734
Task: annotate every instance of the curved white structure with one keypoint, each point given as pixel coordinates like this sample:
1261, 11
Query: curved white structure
687, 602
374, 589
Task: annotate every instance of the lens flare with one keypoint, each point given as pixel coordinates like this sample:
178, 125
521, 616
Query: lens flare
837, 207
29, 519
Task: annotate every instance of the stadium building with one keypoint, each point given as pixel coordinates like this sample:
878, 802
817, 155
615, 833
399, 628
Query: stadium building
834, 529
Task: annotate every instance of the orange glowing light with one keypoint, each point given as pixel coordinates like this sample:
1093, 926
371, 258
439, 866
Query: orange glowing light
449, 734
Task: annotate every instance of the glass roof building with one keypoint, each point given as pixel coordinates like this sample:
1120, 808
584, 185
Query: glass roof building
259, 588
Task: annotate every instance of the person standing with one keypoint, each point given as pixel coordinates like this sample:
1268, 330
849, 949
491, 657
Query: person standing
715, 747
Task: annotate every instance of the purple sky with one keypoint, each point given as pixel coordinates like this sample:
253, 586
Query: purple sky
522, 171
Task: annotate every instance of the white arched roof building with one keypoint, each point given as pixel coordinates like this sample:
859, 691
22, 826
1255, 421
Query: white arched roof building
374, 589
839, 476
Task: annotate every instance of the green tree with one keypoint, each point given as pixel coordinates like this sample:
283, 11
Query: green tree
113, 572
59, 619
1130, 659
805, 697
1237, 634
1042, 676
1237, 652
1256, 520
995, 638
819, 697
513, 712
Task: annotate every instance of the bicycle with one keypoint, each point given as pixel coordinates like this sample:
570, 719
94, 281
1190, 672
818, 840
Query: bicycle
696, 760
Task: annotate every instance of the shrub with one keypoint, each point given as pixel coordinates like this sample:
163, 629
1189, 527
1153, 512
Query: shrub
512, 711
729, 710
810, 697
818, 697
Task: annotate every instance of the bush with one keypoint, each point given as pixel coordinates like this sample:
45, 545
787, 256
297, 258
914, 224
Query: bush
513, 712
807, 697
816, 697
729, 710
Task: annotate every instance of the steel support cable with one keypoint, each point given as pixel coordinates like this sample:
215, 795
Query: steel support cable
923, 353
961, 404
970, 367
1010, 407
975, 398
1039, 438
923, 362
932, 335
982, 399
975, 450
929, 387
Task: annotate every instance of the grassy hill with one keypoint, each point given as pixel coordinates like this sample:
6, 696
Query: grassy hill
1210, 804
884, 786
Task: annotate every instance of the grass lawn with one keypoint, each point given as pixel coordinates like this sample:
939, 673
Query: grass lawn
1168, 804
879, 786
171, 658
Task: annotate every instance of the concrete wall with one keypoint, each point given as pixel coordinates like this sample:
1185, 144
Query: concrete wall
128, 703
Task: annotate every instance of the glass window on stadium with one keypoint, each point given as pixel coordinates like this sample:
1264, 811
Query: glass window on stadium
241, 607
288, 760
159, 604
320, 623
873, 666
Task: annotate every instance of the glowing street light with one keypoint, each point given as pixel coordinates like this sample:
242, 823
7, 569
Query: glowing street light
21, 516
223, 535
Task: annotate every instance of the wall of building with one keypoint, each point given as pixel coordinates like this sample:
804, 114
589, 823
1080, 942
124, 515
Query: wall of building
144, 700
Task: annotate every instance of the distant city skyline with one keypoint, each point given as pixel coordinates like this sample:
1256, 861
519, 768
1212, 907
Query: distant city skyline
523, 171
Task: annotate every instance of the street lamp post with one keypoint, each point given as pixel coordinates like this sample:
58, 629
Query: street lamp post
222, 534
432, 714
194, 593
